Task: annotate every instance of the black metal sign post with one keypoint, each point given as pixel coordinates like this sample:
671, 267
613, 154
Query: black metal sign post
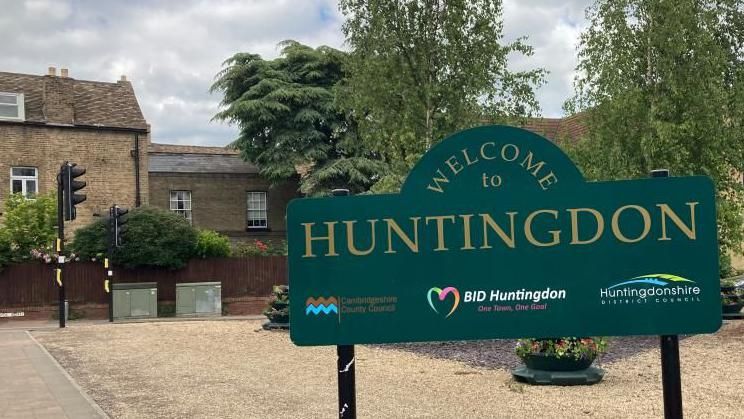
106, 264
671, 379
345, 365
59, 246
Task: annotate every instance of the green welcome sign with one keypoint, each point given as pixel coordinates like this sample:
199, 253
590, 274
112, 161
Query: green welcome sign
495, 234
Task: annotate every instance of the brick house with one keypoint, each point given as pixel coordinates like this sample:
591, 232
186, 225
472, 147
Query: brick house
214, 188
45, 120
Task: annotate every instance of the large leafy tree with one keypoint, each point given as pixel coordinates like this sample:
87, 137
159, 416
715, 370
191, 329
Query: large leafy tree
662, 82
289, 119
422, 69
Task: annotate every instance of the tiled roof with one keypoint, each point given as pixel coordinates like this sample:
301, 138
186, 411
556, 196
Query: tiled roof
570, 128
67, 101
189, 149
171, 158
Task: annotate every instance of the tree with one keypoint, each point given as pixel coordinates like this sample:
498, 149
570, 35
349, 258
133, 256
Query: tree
288, 118
154, 238
28, 224
422, 69
662, 82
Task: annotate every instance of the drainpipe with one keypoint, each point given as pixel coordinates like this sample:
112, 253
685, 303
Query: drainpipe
137, 195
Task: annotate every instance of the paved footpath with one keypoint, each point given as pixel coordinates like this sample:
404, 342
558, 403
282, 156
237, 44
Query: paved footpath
33, 385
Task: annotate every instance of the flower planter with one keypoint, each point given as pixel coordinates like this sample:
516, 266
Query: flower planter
280, 319
552, 363
731, 308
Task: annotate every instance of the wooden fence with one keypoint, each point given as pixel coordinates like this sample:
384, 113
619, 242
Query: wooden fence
33, 285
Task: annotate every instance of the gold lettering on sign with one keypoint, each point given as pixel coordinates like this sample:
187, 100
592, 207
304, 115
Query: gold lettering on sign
690, 232
575, 236
454, 165
440, 229
556, 234
466, 241
467, 157
350, 238
535, 168
393, 226
442, 178
548, 180
488, 221
483, 151
330, 238
515, 152
616, 223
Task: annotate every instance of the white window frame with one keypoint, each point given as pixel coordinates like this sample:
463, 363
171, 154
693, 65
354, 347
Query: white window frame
261, 206
173, 199
19, 104
24, 181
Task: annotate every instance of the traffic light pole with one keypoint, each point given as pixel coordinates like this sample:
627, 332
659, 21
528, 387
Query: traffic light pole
107, 262
59, 247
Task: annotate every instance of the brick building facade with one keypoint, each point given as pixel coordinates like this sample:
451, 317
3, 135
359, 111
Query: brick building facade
46, 120
215, 189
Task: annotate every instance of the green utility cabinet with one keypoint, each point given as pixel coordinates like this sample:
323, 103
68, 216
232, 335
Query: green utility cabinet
135, 300
199, 299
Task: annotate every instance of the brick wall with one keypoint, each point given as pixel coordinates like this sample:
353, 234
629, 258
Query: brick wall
104, 154
219, 201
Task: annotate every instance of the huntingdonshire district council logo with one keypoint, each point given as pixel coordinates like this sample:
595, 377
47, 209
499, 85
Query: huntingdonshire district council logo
651, 289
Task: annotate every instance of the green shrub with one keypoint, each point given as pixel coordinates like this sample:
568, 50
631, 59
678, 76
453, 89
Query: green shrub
90, 241
6, 253
260, 248
210, 244
154, 238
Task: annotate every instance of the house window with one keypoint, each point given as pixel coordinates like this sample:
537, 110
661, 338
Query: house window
11, 106
25, 181
180, 203
257, 218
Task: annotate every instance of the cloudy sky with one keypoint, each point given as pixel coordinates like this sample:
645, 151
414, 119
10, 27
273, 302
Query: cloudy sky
171, 50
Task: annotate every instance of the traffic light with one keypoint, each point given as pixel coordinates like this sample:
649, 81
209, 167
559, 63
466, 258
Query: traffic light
69, 172
120, 224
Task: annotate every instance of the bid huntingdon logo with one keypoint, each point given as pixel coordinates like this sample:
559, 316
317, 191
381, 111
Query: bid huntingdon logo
321, 305
442, 294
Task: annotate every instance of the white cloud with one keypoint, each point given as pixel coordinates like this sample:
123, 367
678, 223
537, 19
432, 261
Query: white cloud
172, 50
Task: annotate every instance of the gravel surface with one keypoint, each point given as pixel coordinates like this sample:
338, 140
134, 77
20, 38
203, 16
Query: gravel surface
500, 353
237, 370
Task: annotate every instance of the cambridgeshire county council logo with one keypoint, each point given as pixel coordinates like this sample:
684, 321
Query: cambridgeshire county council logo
442, 295
651, 289
321, 305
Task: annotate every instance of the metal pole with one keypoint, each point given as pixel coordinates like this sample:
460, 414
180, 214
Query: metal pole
345, 365
346, 382
108, 266
60, 246
671, 379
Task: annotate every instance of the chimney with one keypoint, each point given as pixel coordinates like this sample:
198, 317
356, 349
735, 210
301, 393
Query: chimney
123, 78
58, 98
64, 72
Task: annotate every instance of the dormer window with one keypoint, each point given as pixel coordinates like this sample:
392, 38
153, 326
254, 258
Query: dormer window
11, 107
